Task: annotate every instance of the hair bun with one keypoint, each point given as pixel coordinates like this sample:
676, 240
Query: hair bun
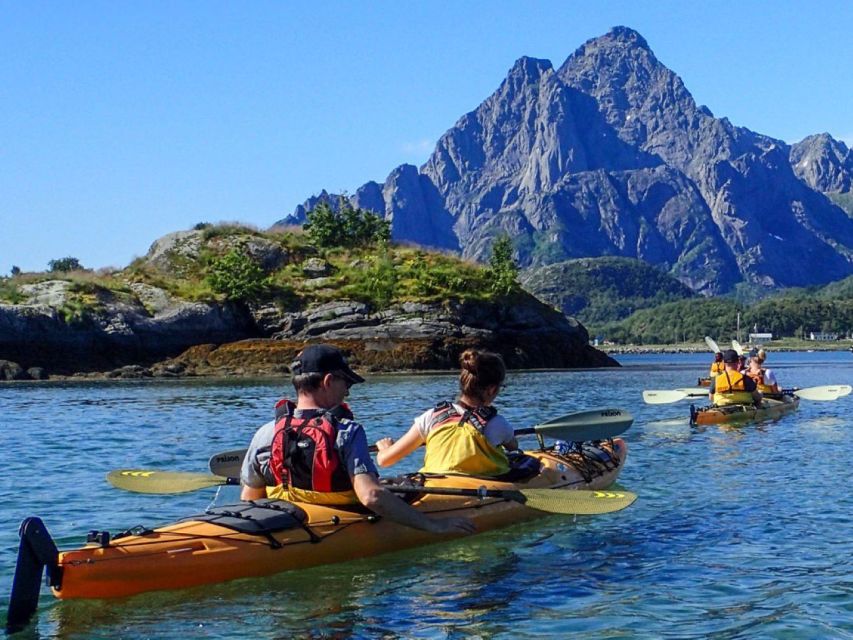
469, 360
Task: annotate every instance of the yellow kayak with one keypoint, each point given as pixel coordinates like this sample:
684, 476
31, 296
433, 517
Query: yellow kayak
770, 409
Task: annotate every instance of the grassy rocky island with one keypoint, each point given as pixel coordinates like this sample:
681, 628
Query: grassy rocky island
233, 300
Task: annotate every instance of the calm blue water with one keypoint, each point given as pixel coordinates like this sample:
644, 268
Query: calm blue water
738, 532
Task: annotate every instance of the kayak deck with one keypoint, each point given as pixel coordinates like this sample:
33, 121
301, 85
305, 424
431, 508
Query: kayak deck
196, 552
770, 409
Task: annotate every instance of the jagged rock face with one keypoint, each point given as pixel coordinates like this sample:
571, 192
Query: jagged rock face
823, 163
610, 155
780, 231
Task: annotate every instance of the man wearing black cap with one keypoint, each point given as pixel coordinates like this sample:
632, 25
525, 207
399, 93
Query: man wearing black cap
315, 452
731, 386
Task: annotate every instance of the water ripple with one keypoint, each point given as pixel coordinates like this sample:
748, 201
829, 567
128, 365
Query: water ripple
738, 532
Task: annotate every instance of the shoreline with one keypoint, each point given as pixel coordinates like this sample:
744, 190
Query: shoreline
139, 373
846, 345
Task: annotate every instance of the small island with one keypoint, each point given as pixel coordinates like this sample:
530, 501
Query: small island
231, 300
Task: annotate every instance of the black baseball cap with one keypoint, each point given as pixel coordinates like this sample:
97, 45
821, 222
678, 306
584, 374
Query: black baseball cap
730, 355
324, 358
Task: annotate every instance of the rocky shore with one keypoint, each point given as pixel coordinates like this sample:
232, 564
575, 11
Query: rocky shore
129, 341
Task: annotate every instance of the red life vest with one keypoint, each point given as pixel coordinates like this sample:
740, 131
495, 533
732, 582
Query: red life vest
304, 455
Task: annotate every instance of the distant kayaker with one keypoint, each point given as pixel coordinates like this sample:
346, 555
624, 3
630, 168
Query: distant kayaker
717, 366
731, 386
315, 451
765, 379
467, 436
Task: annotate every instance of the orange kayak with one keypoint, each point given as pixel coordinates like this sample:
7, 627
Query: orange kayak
270, 536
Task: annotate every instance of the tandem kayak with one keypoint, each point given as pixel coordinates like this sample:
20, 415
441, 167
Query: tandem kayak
770, 409
264, 537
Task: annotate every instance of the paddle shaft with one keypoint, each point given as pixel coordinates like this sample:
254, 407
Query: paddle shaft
550, 500
821, 393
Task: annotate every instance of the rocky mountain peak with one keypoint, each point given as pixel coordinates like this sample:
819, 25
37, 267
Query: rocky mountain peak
824, 163
609, 155
618, 37
529, 68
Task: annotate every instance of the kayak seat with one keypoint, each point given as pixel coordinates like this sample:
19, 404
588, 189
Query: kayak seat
521, 467
256, 517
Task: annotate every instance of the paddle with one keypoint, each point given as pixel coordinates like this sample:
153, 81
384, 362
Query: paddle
736, 346
582, 426
712, 345
664, 396
826, 392
694, 392
569, 502
153, 481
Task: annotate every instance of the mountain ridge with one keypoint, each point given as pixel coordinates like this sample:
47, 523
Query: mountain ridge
609, 155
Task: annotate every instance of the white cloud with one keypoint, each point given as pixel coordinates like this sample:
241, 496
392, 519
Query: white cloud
419, 147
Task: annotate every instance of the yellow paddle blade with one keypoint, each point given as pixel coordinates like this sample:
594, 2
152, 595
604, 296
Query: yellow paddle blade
577, 502
712, 345
149, 481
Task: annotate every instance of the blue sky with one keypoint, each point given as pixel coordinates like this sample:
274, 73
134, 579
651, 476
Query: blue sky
120, 121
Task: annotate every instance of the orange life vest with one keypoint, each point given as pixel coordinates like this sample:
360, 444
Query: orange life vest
730, 388
759, 381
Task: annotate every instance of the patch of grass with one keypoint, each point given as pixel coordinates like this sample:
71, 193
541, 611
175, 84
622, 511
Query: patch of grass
9, 291
380, 275
224, 229
843, 200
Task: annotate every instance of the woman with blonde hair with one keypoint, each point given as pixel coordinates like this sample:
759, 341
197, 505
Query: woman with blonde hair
466, 436
765, 379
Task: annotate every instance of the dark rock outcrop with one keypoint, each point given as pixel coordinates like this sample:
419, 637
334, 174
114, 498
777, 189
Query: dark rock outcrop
610, 155
114, 333
407, 337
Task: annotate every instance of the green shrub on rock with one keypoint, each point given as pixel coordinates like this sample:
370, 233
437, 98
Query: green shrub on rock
349, 227
502, 267
64, 264
237, 276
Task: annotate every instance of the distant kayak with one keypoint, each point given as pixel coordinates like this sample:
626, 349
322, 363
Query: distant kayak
770, 409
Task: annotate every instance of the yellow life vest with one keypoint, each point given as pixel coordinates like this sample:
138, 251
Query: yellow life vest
717, 368
295, 494
729, 388
456, 443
